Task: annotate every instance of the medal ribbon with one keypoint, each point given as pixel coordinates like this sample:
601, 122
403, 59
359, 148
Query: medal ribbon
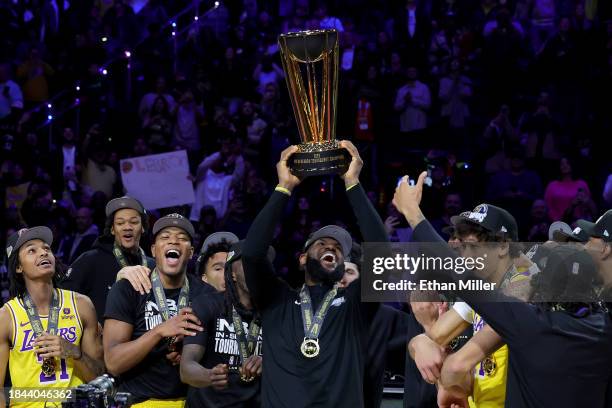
312, 323
48, 363
246, 341
121, 258
160, 296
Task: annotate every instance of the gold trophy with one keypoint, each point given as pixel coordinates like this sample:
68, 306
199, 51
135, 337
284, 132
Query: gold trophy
310, 60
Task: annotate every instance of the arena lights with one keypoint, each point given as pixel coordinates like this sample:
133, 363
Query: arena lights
127, 54
195, 18
104, 39
173, 24
104, 71
49, 117
77, 88
174, 33
49, 106
216, 4
77, 101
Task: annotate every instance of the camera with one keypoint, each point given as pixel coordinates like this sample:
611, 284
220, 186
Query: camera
99, 393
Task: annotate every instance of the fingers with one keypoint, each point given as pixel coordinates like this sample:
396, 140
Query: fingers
190, 317
288, 152
421, 180
219, 376
350, 147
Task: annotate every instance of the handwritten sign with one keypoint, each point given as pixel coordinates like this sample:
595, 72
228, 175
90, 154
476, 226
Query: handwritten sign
158, 180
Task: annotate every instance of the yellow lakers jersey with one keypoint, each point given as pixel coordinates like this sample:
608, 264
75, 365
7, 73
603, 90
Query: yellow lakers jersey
24, 364
490, 375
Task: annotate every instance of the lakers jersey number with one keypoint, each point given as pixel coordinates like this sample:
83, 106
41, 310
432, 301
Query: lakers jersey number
24, 364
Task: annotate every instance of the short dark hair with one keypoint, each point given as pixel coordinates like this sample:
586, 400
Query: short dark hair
484, 235
223, 246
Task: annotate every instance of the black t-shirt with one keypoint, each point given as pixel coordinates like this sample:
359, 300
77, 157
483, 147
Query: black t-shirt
292, 380
155, 376
221, 347
555, 359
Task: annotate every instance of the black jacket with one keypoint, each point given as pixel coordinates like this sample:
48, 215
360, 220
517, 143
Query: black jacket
95, 271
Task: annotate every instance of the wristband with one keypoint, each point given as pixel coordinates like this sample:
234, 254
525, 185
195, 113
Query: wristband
351, 186
282, 190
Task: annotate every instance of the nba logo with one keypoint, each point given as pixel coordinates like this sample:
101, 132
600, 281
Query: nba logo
66, 310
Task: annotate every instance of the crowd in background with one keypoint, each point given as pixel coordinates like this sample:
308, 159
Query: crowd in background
503, 101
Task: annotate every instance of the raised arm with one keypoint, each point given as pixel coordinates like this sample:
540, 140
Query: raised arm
370, 224
259, 272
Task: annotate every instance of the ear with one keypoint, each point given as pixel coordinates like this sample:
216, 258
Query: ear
205, 278
302, 259
19, 269
607, 252
504, 249
153, 250
191, 251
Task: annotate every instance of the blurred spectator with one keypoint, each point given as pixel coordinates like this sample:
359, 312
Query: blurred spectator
68, 163
267, 72
11, 98
73, 245
536, 230
453, 93
249, 124
412, 101
148, 101
35, 74
582, 207
325, 20
453, 205
188, 117
216, 176
97, 174
498, 136
516, 188
158, 125
561, 193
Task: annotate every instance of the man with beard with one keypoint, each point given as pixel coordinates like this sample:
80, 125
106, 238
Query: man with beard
316, 337
113, 254
143, 332
223, 369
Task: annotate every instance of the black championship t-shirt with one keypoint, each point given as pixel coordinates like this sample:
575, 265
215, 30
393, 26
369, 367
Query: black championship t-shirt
219, 339
155, 376
293, 380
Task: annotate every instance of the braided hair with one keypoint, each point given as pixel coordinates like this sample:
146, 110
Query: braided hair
232, 300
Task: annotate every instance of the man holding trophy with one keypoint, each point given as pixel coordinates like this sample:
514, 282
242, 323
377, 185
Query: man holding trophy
315, 337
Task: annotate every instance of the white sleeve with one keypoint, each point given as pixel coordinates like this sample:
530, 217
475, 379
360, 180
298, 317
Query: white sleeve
466, 312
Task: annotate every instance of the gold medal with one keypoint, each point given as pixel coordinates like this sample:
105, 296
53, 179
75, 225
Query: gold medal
48, 367
246, 379
310, 347
489, 366
171, 344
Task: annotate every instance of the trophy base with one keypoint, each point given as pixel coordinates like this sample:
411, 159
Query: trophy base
319, 159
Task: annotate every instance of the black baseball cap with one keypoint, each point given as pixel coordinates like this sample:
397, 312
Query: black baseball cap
569, 273
235, 253
120, 203
214, 239
17, 239
174, 220
334, 232
490, 217
575, 235
602, 228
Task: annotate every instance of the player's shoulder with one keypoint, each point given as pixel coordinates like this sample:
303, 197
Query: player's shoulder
207, 305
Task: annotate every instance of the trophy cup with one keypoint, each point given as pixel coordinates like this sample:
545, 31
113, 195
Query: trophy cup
310, 60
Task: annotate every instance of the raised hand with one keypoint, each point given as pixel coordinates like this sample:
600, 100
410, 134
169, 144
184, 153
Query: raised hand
183, 324
286, 179
351, 176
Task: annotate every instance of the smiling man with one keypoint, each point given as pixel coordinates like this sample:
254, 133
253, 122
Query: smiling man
49, 337
316, 337
143, 332
113, 255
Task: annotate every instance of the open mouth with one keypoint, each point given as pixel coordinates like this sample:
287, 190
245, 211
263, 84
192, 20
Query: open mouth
45, 263
328, 258
128, 236
172, 257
